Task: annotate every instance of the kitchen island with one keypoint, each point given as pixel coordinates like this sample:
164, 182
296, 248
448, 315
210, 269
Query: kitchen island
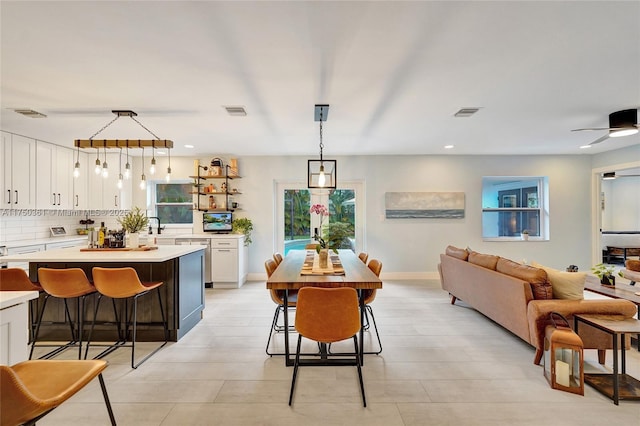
181, 268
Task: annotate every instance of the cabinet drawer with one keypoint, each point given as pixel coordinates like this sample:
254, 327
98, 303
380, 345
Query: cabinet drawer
220, 243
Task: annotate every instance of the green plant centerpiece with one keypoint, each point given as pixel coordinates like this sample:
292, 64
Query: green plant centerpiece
243, 225
335, 236
605, 273
134, 221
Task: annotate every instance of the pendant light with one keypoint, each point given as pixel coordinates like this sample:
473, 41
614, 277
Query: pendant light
152, 169
76, 167
127, 167
168, 177
98, 168
143, 179
321, 173
105, 166
120, 170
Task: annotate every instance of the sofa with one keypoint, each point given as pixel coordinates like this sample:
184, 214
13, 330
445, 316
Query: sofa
631, 271
521, 297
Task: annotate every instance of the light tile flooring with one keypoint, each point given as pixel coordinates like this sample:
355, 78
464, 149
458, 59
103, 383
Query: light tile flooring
441, 365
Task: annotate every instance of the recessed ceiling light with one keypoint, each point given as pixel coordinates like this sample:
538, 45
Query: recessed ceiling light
585, 146
448, 146
466, 112
188, 146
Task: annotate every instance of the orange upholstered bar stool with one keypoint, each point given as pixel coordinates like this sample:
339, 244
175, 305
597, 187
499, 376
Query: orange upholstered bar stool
327, 315
278, 298
65, 284
124, 284
32, 389
16, 279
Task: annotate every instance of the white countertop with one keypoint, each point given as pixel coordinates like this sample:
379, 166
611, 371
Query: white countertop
73, 254
11, 298
212, 236
25, 243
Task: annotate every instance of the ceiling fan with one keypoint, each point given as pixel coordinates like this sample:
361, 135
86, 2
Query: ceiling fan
621, 123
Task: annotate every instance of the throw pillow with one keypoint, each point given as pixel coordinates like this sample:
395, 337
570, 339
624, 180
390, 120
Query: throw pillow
566, 285
456, 252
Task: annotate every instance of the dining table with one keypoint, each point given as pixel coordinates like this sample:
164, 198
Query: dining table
299, 269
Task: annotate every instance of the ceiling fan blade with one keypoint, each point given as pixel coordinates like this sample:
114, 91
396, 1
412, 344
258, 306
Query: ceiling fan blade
591, 128
600, 139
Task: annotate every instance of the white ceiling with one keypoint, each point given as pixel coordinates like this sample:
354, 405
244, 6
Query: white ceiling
393, 72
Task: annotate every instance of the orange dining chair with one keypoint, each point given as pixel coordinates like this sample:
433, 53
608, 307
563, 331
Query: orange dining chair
327, 315
278, 298
65, 284
32, 389
278, 258
16, 279
363, 256
369, 296
124, 284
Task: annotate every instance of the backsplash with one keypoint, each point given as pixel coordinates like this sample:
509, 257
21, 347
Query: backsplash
28, 225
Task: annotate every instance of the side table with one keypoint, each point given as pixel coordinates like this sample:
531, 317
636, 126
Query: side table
618, 385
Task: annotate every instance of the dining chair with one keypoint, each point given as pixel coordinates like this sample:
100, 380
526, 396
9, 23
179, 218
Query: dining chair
16, 279
278, 258
32, 389
327, 315
369, 296
278, 298
66, 284
124, 284
363, 256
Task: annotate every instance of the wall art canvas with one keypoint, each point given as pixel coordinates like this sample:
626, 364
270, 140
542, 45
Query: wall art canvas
419, 205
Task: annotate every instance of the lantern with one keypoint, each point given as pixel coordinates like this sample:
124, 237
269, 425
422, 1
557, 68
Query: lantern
563, 356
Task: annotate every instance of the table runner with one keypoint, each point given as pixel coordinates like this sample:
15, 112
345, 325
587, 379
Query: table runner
311, 265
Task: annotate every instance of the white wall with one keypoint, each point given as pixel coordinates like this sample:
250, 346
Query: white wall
622, 204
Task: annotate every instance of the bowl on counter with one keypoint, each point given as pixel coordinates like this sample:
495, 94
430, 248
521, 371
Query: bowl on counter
82, 231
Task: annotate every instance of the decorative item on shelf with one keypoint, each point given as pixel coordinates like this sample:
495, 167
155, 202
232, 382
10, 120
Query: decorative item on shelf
525, 235
133, 222
234, 204
212, 202
242, 225
563, 356
233, 167
321, 173
223, 187
604, 273
216, 167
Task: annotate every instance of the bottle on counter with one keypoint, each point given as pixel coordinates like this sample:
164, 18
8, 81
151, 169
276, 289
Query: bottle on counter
101, 235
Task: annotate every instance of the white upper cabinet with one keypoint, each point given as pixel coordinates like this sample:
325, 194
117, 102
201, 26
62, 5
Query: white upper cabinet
80, 195
18, 160
54, 181
104, 192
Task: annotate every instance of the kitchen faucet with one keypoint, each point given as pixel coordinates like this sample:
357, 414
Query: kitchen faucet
159, 225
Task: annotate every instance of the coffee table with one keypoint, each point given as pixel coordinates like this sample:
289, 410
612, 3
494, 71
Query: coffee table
616, 385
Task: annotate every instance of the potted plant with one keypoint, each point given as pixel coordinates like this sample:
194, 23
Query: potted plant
336, 236
133, 222
243, 225
525, 234
605, 273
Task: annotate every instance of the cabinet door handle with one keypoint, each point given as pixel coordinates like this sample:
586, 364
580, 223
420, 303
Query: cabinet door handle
76, 201
59, 198
16, 197
224, 244
225, 250
9, 193
53, 194
115, 199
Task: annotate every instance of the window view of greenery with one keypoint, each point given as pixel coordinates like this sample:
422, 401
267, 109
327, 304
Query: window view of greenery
174, 203
512, 206
297, 219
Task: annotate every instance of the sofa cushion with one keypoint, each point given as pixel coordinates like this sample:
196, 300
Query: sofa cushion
488, 261
456, 252
566, 285
633, 265
536, 277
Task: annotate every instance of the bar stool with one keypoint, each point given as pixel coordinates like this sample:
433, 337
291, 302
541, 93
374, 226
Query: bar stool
16, 279
124, 284
65, 284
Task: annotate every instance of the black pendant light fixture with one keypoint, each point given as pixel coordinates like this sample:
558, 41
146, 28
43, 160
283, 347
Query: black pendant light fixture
321, 173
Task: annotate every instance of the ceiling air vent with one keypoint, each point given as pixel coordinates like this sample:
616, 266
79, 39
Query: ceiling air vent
466, 112
30, 113
236, 111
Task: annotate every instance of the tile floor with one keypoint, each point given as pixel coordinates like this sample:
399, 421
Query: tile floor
441, 365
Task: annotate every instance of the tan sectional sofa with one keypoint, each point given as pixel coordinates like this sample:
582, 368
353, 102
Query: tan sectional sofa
520, 297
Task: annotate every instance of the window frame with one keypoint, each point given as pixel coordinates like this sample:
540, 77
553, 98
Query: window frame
505, 183
153, 201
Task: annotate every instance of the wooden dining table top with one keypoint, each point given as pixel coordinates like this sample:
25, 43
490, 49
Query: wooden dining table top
356, 274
